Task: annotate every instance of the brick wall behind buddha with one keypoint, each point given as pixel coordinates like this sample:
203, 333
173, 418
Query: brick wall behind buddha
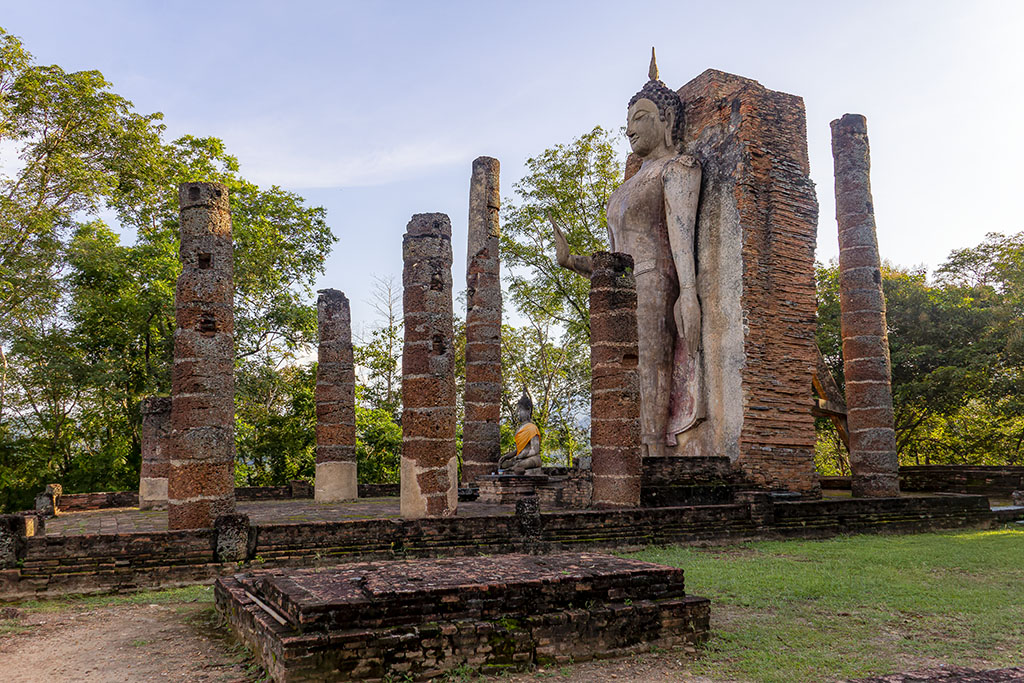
757, 230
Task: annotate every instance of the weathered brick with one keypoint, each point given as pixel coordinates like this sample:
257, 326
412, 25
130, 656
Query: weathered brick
428, 382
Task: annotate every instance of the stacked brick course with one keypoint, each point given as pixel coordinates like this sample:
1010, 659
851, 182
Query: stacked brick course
81, 502
615, 385
156, 452
757, 230
336, 477
368, 621
52, 565
869, 413
201, 476
430, 485
481, 440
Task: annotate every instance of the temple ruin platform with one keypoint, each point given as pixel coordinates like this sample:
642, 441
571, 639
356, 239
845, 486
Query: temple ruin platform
118, 549
296, 511
419, 618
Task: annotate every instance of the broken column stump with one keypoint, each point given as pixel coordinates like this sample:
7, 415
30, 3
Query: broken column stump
156, 452
201, 476
336, 477
481, 437
869, 413
420, 618
615, 383
430, 481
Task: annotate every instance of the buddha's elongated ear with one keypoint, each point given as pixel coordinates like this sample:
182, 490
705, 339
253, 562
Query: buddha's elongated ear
670, 125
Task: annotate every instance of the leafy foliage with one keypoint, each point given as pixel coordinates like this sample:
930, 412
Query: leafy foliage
571, 182
86, 322
550, 354
956, 353
379, 390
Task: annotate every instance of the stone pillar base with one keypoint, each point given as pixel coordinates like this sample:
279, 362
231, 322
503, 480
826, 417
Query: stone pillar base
875, 486
335, 481
417, 504
153, 493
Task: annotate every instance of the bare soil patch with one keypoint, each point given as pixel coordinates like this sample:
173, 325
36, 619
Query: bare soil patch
159, 642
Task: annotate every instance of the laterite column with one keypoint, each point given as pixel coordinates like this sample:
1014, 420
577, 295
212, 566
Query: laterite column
481, 438
336, 477
156, 452
615, 383
873, 460
430, 482
201, 477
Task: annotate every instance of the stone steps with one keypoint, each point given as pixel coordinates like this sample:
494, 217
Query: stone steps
422, 617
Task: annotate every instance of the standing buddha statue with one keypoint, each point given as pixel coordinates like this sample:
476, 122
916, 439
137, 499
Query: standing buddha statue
652, 217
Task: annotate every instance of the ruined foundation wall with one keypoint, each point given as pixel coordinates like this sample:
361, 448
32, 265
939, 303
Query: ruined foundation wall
869, 411
156, 452
430, 482
336, 476
201, 477
615, 383
757, 228
481, 438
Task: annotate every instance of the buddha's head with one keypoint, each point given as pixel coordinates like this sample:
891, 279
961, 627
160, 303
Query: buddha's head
654, 121
524, 409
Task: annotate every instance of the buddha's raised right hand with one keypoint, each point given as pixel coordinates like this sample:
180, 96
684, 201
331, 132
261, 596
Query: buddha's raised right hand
565, 258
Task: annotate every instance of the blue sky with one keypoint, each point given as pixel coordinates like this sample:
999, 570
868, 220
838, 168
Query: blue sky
375, 110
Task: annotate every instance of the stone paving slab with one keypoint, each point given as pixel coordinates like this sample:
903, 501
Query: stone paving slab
132, 520
369, 594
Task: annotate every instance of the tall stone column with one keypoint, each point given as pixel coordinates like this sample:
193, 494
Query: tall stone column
869, 412
430, 480
481, 438
156, 451
615, 383
336, 477
201, 477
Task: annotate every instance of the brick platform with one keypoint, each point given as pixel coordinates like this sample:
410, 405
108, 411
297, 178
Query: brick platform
119, 550
370, 620
502, 489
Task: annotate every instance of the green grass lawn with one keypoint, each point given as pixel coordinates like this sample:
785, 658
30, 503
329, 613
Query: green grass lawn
858, 605
802, 610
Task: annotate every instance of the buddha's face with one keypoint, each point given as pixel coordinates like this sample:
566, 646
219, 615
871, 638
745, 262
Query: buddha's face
646, 131
524, 414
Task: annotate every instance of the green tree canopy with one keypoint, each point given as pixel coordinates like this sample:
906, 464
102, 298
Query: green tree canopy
550, 354
86, 322
955, 348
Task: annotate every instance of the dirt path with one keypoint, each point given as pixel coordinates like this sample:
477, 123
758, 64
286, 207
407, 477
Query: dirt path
167, 642
183, 642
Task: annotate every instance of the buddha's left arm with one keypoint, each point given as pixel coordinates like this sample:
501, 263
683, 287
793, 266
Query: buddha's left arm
682, 191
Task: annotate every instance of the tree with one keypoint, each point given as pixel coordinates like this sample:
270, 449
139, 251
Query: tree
571, 183
557, 375
78, 147
378, 358
275, 424
957, 369
379, 354
550, 354
86, 322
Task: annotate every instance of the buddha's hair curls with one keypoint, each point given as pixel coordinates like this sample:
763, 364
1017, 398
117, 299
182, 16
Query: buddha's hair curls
665, 99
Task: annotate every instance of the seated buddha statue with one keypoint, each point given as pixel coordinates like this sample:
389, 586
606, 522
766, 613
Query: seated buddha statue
526, 454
